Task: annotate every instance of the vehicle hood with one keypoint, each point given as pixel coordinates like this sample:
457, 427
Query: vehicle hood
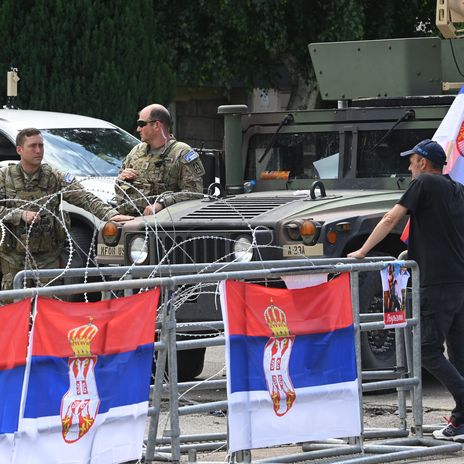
268, 208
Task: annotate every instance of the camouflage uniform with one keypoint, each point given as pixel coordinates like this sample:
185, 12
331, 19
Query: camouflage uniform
175, 167
44, 240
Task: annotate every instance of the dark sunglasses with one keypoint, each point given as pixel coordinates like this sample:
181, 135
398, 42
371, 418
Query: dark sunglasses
142, 123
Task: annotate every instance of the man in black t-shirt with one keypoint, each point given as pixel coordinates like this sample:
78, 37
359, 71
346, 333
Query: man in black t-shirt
435, 204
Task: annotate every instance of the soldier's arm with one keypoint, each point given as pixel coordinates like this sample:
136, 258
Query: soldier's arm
190, 179
10, 215
76, 194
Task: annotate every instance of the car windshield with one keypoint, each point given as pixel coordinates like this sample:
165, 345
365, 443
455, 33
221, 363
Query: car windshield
87, 152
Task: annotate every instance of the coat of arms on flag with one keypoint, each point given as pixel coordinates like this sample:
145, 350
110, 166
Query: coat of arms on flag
277, 354
290, 355
79, 405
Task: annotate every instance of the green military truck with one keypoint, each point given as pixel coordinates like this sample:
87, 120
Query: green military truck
307, 183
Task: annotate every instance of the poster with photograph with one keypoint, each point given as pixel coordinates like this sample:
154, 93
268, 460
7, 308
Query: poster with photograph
394, 283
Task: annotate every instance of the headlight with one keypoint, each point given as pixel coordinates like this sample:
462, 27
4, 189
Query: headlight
306, 230
111, 233
243, 250
138, 250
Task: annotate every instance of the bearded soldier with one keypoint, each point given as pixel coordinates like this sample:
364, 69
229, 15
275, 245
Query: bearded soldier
160, 171
30, 197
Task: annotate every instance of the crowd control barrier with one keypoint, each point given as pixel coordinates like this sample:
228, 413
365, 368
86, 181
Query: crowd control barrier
398, 443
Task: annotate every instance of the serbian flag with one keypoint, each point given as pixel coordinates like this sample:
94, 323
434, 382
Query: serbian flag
450, 135
14, 332
291, 364
89, 381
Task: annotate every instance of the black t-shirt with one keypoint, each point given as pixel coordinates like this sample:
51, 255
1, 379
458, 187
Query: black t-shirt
436, 236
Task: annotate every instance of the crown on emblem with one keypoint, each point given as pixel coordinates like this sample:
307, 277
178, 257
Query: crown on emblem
81, 337
276, 320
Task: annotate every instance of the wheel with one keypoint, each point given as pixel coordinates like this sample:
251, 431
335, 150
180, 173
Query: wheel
190, 363
82, 239
377, 346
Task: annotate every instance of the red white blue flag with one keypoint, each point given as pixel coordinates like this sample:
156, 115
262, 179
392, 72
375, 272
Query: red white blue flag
291, 364
450, 135
14, 330
89, 380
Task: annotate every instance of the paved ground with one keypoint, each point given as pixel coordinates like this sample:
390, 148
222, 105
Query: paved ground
380, 410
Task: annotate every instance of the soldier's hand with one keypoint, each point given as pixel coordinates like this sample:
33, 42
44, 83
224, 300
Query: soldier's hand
152, 209
30, 216
121, 218
128, 174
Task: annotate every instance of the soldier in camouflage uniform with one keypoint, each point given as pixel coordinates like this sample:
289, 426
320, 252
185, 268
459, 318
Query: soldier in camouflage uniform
159, 171
30, 209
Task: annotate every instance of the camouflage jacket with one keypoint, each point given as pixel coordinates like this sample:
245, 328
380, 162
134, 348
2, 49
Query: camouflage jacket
41, 192
162, 173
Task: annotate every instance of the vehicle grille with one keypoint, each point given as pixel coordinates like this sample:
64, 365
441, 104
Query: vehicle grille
190, 247
240, 207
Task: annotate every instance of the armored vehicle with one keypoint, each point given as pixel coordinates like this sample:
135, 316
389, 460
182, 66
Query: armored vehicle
307, 183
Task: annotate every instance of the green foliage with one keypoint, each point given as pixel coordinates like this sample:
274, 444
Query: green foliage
249, 41
110, 58
97, 58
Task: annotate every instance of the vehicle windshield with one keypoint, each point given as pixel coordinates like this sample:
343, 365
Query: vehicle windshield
87, 151
315, 155
297, 154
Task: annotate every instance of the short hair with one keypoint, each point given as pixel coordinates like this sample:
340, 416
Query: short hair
435, 166
24, 133
160, 113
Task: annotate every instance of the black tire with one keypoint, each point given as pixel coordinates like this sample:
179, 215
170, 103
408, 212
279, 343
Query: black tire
377, 346
82, 239
190, 364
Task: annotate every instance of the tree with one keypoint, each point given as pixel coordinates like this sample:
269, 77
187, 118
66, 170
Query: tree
252, 41
75, 57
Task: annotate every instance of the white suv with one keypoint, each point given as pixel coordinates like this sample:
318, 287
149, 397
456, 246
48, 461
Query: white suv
91, 149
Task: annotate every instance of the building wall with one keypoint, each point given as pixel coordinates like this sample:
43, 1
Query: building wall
195, 117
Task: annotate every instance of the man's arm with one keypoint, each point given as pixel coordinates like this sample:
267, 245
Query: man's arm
381, 230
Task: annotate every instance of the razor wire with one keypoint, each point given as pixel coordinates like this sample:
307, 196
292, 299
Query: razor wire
151, 233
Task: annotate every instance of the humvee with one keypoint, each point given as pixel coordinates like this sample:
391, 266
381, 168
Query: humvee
305, 183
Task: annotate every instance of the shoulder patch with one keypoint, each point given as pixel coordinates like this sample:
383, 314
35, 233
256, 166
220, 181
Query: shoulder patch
190, 156
68, 178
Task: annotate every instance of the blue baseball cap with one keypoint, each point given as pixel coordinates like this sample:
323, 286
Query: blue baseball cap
428, 149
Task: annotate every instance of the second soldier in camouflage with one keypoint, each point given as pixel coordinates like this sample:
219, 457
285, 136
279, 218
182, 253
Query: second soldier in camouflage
160, 171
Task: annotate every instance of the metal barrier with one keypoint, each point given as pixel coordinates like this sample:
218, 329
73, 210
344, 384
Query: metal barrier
405, 378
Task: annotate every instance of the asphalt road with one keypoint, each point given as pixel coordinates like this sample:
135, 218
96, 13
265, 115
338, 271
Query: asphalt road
380, 410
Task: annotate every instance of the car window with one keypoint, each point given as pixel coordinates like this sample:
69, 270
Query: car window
87, 152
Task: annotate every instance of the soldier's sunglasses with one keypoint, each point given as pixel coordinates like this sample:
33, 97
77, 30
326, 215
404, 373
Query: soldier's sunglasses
142, 123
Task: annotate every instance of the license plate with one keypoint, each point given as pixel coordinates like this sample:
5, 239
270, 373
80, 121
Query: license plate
293, 251
105, 250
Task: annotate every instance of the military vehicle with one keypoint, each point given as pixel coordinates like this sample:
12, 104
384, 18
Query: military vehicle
307, 183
